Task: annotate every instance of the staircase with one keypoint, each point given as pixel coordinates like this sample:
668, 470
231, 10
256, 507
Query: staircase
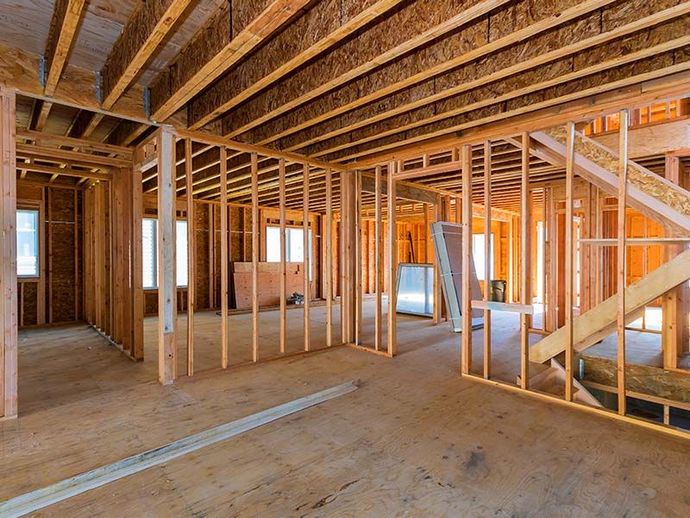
652, 195
649, 193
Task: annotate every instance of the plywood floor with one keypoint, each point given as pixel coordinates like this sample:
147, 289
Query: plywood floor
415, 439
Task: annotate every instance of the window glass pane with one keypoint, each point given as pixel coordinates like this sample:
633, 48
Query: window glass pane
295, 245
181, 255
27, 243
149, 257
478, 255
273, 244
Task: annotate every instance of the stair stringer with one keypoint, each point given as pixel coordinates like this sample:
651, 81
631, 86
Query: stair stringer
676, 219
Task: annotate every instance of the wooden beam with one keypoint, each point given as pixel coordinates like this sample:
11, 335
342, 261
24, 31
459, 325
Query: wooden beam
581, 105
360, 56
466, 363
465, 111
306, 246
146, 30
674, 304
224, 260
75, 157
28, 503
392, 261
67, 15
283, 259
294, 158
507, 307
328, 250
255, 257
78, 144
167, 285
600, 321
191, 256
320, 126
232, 33
39, 117
621, 267
294, 47
8, 245
488, 258
404, 190
358, 257
569, 261
638, 241
63, 171
525, 263
378, 260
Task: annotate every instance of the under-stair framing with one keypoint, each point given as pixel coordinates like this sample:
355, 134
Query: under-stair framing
655, 197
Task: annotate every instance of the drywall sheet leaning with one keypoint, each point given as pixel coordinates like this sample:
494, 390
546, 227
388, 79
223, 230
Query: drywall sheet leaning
448, 245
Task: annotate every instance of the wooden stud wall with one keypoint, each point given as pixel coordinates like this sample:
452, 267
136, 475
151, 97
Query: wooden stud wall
8, 246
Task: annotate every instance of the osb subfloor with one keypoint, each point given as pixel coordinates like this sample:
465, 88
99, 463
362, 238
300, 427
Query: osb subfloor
415, 439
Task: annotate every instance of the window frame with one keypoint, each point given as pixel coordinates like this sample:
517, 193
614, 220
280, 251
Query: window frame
39, 237
310, 252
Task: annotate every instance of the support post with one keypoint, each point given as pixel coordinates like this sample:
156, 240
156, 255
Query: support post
358, 257
487, 258
438, 300
283, 257
378, 261
307, 265
8, 243
167, 289
525, 255
622, 253
255, 256
675, 309
466, 364
392, 262
329, 258
569, 260
191, 255
224, 247
137, 274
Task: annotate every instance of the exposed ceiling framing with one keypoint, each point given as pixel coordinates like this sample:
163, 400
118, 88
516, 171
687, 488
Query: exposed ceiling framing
347, 83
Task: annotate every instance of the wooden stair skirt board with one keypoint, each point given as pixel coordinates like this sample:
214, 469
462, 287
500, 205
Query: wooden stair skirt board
595, 324
554, 376
649, 193
41, 498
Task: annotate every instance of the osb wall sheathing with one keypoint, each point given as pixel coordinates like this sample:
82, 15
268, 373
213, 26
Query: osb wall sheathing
56, 295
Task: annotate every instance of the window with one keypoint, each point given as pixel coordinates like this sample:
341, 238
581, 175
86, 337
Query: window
27, 243
478, 255
149, 252
294, 246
